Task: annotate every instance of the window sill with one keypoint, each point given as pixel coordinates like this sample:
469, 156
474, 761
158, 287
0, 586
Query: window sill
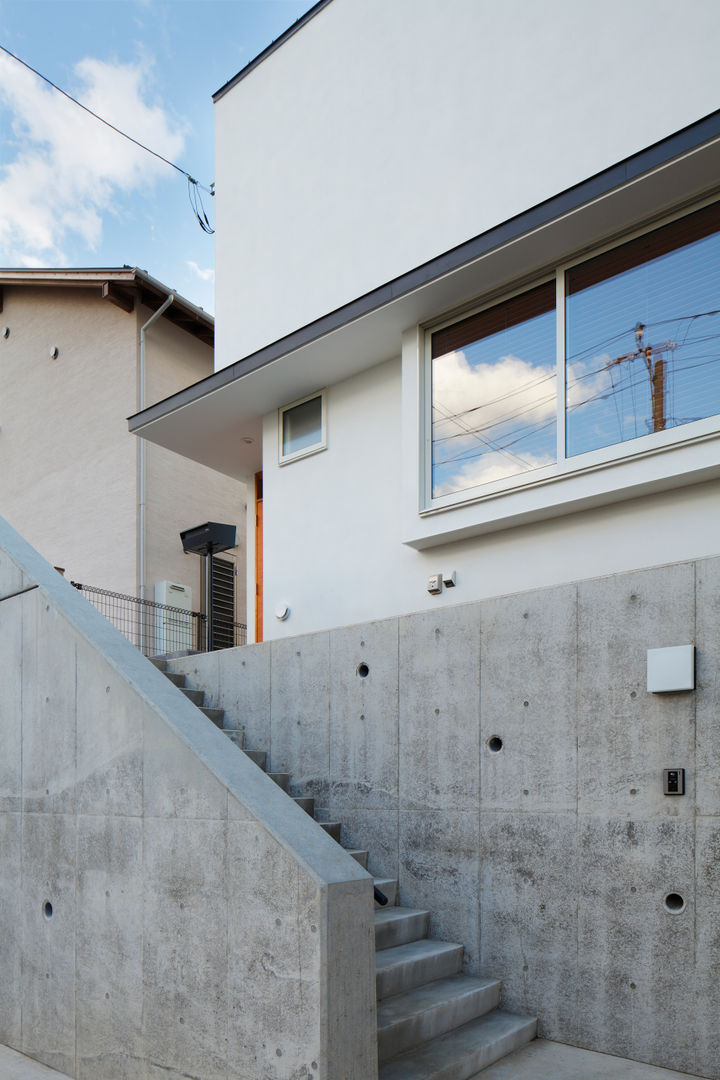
598, 484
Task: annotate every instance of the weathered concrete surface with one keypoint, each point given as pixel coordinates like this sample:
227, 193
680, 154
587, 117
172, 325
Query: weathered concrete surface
540, 1060
165, 909
549, 858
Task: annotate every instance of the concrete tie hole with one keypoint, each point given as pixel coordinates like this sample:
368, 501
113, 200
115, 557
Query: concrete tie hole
363, 670
47, 909
674, 903
495, 744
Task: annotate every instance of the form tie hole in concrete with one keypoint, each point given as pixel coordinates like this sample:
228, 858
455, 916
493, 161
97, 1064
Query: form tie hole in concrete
674, 903
495, 744
47, 909
363, 670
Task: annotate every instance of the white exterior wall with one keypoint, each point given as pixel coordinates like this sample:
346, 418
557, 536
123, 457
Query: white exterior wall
382, 134
333, 548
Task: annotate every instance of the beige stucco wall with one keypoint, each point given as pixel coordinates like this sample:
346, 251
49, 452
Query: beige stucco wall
68, 466
181, 493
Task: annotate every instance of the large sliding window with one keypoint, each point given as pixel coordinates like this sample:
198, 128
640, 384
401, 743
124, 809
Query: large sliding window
633, 343
494, 393
642, 325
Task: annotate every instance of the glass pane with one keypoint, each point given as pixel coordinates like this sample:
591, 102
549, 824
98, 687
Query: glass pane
494, 394
643, 341
302, 426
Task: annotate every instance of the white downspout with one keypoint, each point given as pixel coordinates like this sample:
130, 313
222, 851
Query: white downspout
142, 479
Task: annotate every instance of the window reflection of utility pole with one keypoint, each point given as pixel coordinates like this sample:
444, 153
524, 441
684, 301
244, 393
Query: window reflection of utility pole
654, 357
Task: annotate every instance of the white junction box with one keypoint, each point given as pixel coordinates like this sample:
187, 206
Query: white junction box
173, 628
671, 669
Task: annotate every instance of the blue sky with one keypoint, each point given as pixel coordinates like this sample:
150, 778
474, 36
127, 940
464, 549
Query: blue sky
73, 193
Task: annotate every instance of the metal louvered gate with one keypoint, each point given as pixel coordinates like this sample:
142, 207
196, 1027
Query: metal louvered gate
223, 604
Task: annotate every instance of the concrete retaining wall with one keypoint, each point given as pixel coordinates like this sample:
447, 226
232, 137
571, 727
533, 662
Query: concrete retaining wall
165, 910
551, 858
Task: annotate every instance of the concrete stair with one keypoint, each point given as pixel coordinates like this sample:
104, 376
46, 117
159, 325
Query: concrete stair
434, 1022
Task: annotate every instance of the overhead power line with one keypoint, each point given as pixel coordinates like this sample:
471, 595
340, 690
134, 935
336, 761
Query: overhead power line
195, 202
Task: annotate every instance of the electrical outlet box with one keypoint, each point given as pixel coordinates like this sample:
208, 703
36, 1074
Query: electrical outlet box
673, 781
435, 583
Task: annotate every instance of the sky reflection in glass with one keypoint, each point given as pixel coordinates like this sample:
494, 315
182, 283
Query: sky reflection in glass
643, 348
494, 406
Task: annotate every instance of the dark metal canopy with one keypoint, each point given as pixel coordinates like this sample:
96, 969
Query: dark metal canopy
208, 539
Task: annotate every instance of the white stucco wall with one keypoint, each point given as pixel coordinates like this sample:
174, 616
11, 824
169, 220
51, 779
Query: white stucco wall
382, 134
333, 549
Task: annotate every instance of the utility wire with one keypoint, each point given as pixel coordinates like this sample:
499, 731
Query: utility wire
196, 203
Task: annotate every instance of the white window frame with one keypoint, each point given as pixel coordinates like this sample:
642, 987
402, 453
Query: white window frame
565, 467
307, 451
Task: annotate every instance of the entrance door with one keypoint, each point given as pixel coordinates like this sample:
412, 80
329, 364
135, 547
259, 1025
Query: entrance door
258, 556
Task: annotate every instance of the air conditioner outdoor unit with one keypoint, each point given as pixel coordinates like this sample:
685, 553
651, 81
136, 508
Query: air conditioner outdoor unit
173, 621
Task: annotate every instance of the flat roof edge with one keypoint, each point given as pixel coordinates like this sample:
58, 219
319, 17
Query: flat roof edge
690, 138
270, 49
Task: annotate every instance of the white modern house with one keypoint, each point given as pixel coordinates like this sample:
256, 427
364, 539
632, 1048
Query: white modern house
468, 361
467, 333
79, 350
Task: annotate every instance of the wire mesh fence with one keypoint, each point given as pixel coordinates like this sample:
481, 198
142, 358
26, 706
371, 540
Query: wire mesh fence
159, 629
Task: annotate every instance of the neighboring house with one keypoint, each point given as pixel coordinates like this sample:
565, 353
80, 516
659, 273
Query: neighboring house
79, 350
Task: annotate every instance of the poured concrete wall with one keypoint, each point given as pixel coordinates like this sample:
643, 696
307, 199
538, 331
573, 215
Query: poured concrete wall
551, 858
165, 909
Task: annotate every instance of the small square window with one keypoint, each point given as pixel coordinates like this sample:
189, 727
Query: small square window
301, 428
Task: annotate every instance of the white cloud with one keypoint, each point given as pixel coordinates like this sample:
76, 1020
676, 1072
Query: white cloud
491, 465
204, 275
69, 168
485, 396
489, 408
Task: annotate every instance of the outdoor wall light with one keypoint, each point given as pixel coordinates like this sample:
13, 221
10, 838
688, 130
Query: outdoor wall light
5, 332
282, 612
54, 352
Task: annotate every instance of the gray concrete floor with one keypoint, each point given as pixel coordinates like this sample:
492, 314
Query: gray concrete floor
539, 1061
14, 1066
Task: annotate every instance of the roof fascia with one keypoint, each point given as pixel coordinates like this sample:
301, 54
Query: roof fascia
616, 176
271, 48
184, 314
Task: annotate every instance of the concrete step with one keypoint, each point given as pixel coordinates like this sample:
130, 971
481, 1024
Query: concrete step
359, 855
161, 665
389, 887
308, 805
196, 696
421, 1014
332, 828
407, 966
216, 715
462, 1053
398, 925
237, 737
258, 756
175, 677
282, 779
